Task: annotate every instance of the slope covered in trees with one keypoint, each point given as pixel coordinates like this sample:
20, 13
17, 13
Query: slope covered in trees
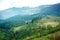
47, 28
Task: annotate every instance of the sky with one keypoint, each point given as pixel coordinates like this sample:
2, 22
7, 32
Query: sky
5, 4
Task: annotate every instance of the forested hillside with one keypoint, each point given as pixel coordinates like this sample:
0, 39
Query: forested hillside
39, 29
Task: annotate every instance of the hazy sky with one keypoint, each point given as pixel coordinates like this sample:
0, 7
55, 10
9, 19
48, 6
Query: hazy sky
5, 4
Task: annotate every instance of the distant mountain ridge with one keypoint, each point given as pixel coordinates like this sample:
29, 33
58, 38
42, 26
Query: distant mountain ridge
14, 17
17, 11
45, 9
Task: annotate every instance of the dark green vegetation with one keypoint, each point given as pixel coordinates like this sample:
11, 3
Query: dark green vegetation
47, 28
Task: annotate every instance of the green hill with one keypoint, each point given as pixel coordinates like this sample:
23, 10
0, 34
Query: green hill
39, 29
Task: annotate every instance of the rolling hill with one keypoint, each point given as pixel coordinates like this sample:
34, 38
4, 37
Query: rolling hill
38, 28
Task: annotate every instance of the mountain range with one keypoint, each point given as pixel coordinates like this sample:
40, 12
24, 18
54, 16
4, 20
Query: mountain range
14, 17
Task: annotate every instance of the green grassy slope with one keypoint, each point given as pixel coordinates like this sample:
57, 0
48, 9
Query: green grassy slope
40, 29
37, 29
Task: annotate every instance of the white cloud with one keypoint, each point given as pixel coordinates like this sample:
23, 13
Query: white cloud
5, 4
